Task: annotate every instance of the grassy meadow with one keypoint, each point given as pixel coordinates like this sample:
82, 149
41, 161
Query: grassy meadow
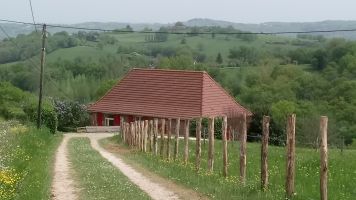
26, 157
342, 172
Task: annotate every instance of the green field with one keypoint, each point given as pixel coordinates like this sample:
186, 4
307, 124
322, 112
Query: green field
342, 173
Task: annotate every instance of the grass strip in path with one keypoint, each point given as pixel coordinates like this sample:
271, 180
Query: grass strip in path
97, 178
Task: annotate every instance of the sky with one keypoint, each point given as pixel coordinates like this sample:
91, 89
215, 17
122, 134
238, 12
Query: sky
170, 11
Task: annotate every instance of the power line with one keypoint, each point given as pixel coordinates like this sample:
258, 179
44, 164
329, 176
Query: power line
35, 64
187, 33
33, 17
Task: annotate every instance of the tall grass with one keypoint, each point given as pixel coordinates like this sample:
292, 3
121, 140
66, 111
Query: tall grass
342, 172
26, 157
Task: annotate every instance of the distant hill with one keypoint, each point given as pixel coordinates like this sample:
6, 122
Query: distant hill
15, 29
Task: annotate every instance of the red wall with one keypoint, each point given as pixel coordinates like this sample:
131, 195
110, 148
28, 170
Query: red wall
99, 119
116, 120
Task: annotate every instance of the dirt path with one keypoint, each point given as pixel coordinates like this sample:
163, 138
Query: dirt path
63, 187
153, 189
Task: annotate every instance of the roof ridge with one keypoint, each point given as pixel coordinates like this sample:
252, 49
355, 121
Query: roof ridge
168, 70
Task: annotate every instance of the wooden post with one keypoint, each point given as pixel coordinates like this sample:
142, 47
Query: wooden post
169, 131
198, 144
155, 135
150, 136
264, 152
211, 145
224, 137
176, 146
142, 134
290, 155
163, 127
145, 136
186, 141
126, 134
139, 134
132, 132
324, 158
123, 133
243, 149
136, 134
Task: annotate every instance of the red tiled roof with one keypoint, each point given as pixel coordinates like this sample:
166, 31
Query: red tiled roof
168, 94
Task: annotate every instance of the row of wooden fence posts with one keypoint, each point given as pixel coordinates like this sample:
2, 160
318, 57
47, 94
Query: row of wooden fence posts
139, 133
290, 166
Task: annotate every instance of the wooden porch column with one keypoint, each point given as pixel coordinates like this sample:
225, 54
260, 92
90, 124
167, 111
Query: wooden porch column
198, 144
176, 146
211, 145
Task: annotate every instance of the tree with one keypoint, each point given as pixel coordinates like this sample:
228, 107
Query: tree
161, 35
219, 59
319, 59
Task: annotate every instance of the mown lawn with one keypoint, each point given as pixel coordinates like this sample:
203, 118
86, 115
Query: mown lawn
26, 161
342, 172
97, 178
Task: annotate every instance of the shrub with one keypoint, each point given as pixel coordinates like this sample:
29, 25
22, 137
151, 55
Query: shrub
70, 115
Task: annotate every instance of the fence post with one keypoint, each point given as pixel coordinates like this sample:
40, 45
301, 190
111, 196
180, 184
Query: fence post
155, 136
264, 152
176, 146
163, 127
127, 133
132, 133
243, 140
224, 137
150, 135
324, 158
211, 145
198, 144
186, 141
138, 134
123, 131
169, 133
290, 155
145, 130
142, 134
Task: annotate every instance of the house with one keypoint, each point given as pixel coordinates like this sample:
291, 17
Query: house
168, 94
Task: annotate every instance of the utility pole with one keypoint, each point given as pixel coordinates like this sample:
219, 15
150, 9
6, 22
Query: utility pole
43, 54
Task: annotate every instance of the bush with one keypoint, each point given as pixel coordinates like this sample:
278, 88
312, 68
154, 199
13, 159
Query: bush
71, 115
48, 114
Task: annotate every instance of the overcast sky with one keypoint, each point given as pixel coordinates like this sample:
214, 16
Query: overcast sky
163, 11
